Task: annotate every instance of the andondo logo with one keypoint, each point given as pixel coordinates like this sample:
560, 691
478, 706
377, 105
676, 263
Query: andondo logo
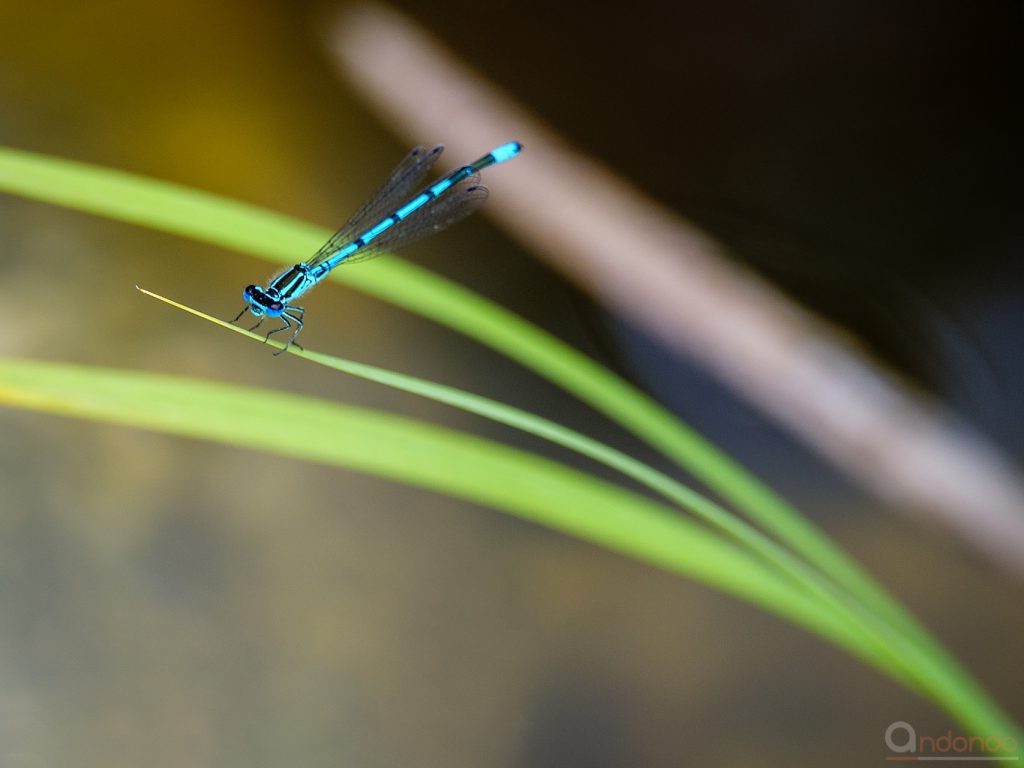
904, 745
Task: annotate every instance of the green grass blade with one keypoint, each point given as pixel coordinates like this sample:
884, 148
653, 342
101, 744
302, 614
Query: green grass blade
418, 454
252, 230
248, 229
897, 655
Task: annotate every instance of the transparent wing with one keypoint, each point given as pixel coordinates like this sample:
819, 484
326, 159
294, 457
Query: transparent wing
393, 193
463, 200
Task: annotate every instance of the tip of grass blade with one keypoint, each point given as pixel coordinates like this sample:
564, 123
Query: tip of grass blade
293, 349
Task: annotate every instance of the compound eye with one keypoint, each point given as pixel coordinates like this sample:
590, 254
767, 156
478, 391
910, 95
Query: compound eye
277, 306
247, 294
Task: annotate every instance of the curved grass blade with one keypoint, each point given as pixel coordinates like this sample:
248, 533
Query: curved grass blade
246, 228
249, 229
898, 656
418, 454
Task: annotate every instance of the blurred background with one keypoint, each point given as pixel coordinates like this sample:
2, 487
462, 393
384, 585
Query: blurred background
168, 602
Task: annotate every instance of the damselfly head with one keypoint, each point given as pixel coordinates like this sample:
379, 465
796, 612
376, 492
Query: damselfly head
263, 302
249, 294
255, 298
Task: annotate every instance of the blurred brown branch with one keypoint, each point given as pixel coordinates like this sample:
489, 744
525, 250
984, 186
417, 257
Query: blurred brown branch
678, 284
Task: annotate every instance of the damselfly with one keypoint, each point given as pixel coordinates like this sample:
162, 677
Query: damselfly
394, 216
